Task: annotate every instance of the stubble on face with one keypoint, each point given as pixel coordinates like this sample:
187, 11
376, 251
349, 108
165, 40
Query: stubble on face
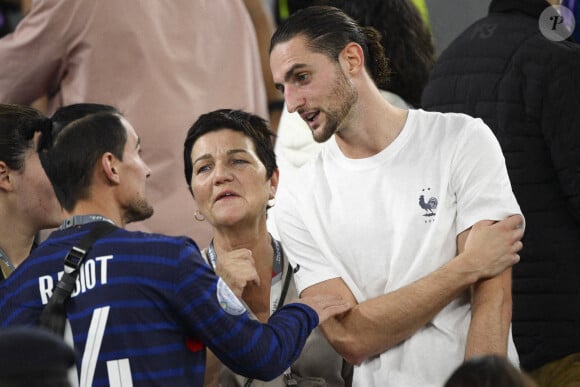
346, 95
138, 210
137, 207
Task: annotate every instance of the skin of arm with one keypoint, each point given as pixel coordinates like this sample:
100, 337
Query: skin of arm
375, 325
491, 312
212, 369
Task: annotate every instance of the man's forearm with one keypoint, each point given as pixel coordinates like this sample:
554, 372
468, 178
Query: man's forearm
490, 316
376, 325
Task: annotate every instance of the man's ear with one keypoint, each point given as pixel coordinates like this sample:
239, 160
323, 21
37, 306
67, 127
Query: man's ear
110, 166
5, 177
352, 58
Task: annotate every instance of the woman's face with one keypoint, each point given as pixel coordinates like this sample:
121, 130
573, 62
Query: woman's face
35, 196
229, 181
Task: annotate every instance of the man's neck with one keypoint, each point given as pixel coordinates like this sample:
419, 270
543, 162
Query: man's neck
93, 208
373, 126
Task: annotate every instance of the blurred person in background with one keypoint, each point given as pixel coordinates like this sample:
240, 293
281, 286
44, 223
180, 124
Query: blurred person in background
488, 371
162, 65
27, 201
525, 86
33, 356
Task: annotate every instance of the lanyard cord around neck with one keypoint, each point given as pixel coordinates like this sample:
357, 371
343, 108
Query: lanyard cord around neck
79, 220
7, 266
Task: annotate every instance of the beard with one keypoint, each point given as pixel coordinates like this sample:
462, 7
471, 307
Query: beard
138, 210
346, 95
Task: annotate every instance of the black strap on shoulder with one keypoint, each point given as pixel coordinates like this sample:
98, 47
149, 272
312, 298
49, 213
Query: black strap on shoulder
53, 316
285, 287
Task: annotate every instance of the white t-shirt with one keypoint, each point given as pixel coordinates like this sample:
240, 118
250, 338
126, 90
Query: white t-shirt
385, 221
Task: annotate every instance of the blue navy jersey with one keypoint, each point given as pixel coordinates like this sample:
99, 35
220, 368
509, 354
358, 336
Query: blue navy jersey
144, 308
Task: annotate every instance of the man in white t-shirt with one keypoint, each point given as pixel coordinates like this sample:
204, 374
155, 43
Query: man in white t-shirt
405, 213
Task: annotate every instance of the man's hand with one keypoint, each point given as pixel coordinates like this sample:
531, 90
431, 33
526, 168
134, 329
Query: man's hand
492, 247
325, 305
237, 268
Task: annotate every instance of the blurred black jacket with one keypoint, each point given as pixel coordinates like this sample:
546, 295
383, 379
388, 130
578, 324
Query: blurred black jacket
527, 90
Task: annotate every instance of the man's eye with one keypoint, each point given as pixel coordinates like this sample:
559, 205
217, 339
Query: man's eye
302, 77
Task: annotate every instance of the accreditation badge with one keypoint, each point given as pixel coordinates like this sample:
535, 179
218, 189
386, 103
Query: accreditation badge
228, 300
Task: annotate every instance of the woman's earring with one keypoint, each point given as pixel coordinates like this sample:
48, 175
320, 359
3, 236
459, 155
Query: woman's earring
198, 216
271, 203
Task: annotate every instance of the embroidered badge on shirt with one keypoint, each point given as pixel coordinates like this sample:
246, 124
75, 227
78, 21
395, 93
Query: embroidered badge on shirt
428, 205
228, 300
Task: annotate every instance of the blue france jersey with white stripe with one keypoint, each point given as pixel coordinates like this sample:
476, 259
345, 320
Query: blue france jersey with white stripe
143, 309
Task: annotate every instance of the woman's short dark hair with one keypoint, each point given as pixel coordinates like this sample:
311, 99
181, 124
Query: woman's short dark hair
17, 127
251, 125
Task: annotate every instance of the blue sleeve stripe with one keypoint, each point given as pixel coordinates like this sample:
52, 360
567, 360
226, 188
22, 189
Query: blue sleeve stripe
192, 277
187, 251
32, 283
129, 328
151, 241
143, 351
145, 378
56, 240
265, 359
198, 301
198, 368
227, 335
121, 304
251, 344
168, 373
118, 280
7, 321
208, 322
142, 259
